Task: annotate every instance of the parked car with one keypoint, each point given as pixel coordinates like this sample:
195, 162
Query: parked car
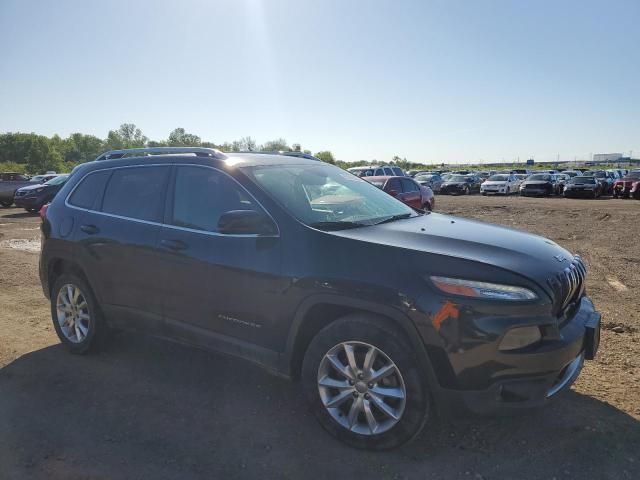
39, 179
628, 186
373, 306
572, 173
500, 184
33, 197
407, 190
604, 178
379, 171
539, 184
581, 186
431, 180
460, 185
9, 183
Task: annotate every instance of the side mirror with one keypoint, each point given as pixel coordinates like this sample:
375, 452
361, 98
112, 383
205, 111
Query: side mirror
245, 222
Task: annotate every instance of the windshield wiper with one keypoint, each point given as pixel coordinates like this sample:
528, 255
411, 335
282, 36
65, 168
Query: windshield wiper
337, 225
393, 218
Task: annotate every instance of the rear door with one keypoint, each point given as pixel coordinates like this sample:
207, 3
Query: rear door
118, 240
217, 283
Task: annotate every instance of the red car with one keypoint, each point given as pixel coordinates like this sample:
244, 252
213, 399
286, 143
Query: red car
628, 186
407, 190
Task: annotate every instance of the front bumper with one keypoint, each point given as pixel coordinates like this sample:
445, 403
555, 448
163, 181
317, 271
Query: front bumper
26, 202
571, 193
531, 377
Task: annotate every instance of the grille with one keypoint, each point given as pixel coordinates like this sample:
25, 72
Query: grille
568, 285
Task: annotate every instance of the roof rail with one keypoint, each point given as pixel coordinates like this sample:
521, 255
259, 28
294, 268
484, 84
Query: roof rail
141, 152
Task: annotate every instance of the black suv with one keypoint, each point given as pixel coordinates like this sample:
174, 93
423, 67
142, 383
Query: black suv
385, 313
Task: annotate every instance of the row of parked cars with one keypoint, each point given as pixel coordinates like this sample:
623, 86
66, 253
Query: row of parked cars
30, 193
568, 183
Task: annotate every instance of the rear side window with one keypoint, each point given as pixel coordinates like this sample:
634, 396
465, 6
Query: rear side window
88, 190
408, 185
397, 171
137, 192
388, 171
202, 195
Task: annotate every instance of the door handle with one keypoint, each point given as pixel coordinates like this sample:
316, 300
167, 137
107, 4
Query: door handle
173, 244
89, 229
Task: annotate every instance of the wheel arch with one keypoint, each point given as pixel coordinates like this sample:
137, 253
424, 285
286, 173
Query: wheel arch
317, 312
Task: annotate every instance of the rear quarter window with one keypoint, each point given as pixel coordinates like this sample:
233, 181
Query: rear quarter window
89, 189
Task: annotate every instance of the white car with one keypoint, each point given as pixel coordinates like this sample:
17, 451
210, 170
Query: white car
502, 184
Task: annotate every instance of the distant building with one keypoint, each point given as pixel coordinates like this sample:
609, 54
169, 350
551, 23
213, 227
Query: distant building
606, 157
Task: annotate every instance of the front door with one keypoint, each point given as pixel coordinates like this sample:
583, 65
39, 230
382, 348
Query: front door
217, 283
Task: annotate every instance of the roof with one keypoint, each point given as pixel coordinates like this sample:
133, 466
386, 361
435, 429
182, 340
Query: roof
202, 156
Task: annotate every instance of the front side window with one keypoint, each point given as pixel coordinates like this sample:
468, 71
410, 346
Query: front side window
324, 196
137, 192
408, 186
202, 195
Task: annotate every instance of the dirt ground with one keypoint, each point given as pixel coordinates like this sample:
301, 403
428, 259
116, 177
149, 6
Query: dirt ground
144, 408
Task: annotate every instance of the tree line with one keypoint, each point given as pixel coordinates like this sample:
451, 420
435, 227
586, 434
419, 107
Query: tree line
32, 153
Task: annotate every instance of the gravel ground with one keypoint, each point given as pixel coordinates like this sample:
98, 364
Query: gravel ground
145, 408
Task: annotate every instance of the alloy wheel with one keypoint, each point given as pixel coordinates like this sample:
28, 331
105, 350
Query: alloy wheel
361, 388
72, 313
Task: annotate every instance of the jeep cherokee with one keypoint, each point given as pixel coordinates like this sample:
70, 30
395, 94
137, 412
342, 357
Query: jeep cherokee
385, 313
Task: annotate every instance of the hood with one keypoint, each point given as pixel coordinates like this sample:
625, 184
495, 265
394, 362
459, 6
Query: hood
30, 188
499, 183
526, 254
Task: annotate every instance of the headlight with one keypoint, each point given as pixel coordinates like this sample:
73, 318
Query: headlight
38, 190
470, 288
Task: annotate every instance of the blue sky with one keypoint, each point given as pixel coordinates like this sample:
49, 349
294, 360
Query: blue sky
430, 81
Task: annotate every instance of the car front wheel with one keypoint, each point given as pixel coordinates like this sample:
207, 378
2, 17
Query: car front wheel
363, 384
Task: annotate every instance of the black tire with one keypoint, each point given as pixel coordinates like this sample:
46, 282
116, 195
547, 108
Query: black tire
379, 333
466, 191
6, 203
427, 207
98, 330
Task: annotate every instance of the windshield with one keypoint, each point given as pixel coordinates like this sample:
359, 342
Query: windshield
498, 178
324, 196
457, 178
57, 180
583, 180
600, 175
37, 179
540, 177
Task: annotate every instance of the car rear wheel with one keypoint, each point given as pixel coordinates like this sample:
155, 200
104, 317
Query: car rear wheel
75, 313
6, 203
363, 383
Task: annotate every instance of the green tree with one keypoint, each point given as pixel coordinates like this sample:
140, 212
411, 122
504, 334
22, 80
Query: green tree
326, 156
127, 136
180, 138
279, 144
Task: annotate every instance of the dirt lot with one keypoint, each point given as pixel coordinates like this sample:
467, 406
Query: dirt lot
150, 409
